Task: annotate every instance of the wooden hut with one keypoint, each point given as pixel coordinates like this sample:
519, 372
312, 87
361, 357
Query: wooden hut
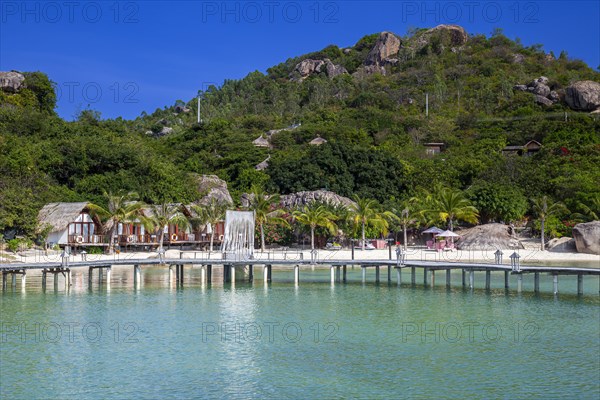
261, 142
317, 141
70, 224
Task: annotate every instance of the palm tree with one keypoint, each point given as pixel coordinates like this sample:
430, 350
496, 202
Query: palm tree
314, 215
365, 212
449, 205
264, 206
543, 208
590, 211
211, 213
407, 214
120, 208
162, 216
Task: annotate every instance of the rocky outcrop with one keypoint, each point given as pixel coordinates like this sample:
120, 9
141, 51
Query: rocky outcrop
386, 46
488, 237
369, 70
540, 89
451, 35
212, 187
11, 81
300, 199
583, 95
562, 245
308, 67
587, 237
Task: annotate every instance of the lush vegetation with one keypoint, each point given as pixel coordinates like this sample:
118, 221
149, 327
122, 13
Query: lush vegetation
375, 126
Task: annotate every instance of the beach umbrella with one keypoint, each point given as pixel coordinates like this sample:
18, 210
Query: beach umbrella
448, 234
434, 229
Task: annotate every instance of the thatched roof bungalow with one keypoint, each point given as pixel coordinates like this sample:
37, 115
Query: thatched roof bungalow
69, 223
261, 142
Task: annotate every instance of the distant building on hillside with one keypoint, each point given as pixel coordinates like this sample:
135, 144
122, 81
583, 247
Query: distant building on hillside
261, 142
432, 149
528, 149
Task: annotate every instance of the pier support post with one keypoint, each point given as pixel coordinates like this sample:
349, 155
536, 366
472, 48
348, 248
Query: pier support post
108, 274
519, 283
13, 281
4, 280
344, 273
464, 278
231, 274
269, 273
413, 274
265, 273
23, 279
536, 282
389, 267
448, 272
100, 275
170, 273
425, 272
471, 279
364, 274
44, 276
90, 276
377, 274
332, 274
579, 284
296, 274
68, 280
137, 275
55, 273
555, 279
209, 273
177, 274
338, 273
226, 273
488, 278
399, 275
181, 273
432, 277
506, 280
250, 273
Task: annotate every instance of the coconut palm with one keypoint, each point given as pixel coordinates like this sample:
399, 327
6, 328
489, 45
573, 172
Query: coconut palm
163, 215
265, 208
590, 210
544, 207
449, 205
366, 213
120, 208
211, 213
314, 215
407, 214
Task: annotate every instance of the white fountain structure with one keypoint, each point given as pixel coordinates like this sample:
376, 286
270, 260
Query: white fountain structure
238, 238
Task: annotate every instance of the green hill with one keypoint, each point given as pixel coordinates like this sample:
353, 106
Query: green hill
368, 102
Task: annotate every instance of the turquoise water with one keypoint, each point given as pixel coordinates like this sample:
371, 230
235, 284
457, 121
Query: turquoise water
309, 341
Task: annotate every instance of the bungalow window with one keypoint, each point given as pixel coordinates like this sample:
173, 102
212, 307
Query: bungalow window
83, 226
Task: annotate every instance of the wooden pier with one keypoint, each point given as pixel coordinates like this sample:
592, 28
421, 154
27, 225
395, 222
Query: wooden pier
338, 271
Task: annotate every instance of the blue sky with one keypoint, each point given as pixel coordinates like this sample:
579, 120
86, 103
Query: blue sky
125, 57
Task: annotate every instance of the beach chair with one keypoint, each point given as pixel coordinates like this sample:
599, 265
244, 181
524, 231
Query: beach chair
440, 245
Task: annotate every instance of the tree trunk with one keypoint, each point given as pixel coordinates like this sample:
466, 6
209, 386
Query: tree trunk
363, 235
212, 238
312, 238
543, 244
113, 236
404, 225
161, 238
262, 238
451, 225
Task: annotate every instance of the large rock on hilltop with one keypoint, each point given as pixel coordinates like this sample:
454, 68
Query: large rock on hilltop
587, 237
386, 46
212, 187
307, 67
451, 35
583, 95
11, 81
488, 237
